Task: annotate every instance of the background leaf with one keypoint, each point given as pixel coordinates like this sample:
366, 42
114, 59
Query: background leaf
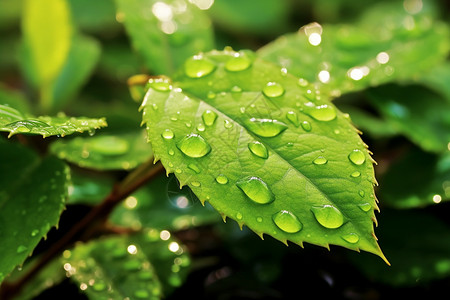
33, 194
165, 33
259, 138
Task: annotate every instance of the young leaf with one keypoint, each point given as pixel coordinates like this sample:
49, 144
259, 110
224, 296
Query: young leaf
165, 32
387, 44
33, 194
105, 151
15, 122
264, 151
120, 267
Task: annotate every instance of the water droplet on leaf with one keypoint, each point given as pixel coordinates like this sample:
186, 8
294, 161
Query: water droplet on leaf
222, 179
287, 221
256, 190
239, 216
355, 174
273, 90
239, 62
21, 249
328, 216
320, 160
306, 126
194, 168
266, 127
195, 183
160, 84
209, 117
293, 118
194, 145
35, 232
365, 207
352, 238
198, 66
357, 157
322, 112
167, 134
258, 149
227, 124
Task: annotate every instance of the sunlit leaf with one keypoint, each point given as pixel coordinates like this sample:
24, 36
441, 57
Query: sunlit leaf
32, 197
263, 151
165, 33
15, 122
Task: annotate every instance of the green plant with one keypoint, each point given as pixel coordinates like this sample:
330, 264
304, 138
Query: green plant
266, 136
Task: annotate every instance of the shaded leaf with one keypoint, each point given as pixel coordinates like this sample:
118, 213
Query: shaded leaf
33, 194
387, 44
263, 151
15, 122
124, 150
87, 188
165, 33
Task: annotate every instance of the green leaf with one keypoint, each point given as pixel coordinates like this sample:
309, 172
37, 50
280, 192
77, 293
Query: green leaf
47, 32
162, 204
425, 180
14, 122
263, 151
167, 32
387, 44
89, 187
418, 246
137, 266
124, 150
33, 194
416, 112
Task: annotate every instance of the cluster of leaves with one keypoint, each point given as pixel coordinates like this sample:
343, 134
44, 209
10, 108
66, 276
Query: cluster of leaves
265, 136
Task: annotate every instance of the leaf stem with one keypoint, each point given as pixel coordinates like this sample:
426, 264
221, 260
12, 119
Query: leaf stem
98, 215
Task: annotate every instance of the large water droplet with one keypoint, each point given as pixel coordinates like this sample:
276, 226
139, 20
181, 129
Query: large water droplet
222, 179
273, 90
293, 118
239, 62
266, 127
352, 238
256, 189
198, 66
167, 134
320, 160
357, 157
322, 112
287, 221
209, 117
328, 216
258, 149
109, 145
160, 84
194, 145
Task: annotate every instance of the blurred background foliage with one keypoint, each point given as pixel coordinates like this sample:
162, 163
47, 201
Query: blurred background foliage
403, 111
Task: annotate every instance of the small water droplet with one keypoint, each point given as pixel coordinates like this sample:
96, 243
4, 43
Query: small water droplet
188, 124
365, 207
361, 193
209, 117
222, 179
320, 160
355, 174
258, 149
194, 145
239, 216
287, 221
201, 127
211, 95
306, 126
302, 82
256, 190
236, 89
266, 127
35, 232
357, 157
293, 118
196, 183
167, 134
160, 84
259, 219
239, 62
21, 249
322, 112
352, 238
194, 168
198, 66
328, 216
273, 90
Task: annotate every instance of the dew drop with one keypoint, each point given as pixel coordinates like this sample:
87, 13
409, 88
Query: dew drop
171, 152
222, 179
259, 219
266, 127
167, 134
194, 145
21, 249
209, 117
35, 232
357, 157
320, 160
239, 216
201, 127
198, 66
236, 89
239, 62
227, 124
352, 238
306, 126
365, 207
160, 84
194, 168
328, 216
211, 95
256, 190
355, 174
258, 149
293, 118
273, 90
287, 221
196, 183
322, 112
302, 82
361, 193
